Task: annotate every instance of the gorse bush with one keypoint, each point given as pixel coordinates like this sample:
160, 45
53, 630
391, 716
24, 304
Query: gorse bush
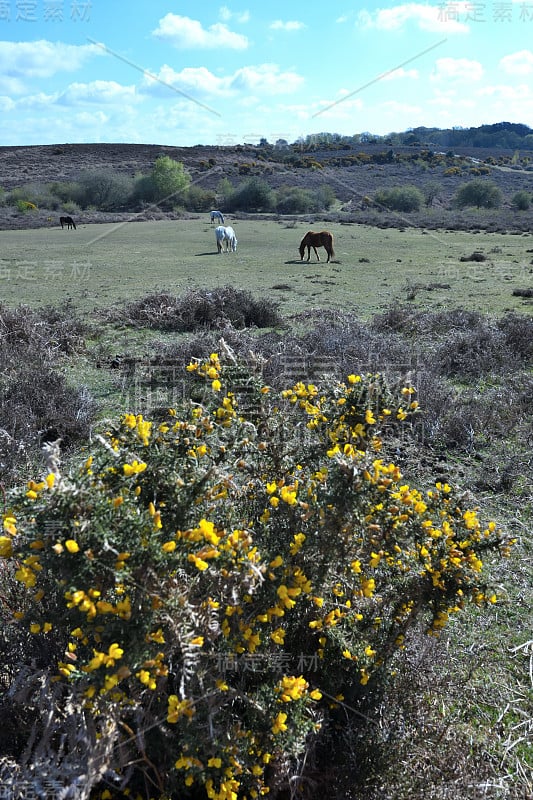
479, 193
521, 200
104, 189
214, 588
400, 198
252, 195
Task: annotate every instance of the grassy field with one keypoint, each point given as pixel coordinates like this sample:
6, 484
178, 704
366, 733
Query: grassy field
99, 265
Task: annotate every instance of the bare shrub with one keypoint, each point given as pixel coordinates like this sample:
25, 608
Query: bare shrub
475, 256
518, 335
34, 395
202, 308
472, 353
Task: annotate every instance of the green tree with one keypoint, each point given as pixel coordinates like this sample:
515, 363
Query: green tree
478, 193
170, 179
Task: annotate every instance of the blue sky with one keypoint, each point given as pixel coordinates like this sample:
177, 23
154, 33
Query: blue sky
186, 73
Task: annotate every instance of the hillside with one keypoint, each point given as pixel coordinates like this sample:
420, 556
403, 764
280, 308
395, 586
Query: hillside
353, 171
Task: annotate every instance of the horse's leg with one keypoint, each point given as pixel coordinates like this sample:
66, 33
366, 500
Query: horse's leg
316, 253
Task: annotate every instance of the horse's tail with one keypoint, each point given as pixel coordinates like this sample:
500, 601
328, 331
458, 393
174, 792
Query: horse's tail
332, 251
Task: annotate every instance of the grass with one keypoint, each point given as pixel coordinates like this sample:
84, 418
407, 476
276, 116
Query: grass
99, 265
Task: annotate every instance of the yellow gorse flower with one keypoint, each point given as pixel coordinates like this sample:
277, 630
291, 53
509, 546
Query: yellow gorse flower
279, 723
292, 688
134, 468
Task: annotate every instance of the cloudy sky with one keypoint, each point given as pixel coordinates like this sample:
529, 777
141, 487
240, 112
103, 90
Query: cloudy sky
185, 73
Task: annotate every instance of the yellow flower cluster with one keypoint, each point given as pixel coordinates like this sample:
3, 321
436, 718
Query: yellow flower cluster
114, 653
208, 369
142, 427
292, 688
90, 604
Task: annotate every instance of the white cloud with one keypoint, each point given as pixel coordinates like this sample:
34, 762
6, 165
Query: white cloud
89, 119
289, 25
264, 79
104, 92
226, 14
396, 74
6, 104
443, 99
436, 19
184, 32
189, 79
509, 93
42, 59
11, 85
36, 101
463, 69
520, 63
397, 108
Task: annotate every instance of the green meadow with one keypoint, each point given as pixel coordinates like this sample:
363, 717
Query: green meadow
101, 265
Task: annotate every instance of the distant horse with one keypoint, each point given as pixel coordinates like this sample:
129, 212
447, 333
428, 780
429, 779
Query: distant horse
225, 237
314, 240
68, 221
217, 215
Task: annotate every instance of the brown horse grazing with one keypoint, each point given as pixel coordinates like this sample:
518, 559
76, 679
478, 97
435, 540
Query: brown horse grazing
314, 240
68, 221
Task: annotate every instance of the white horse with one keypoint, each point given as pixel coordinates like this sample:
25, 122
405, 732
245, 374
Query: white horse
217, 215
225, 237
220, 236
231, 239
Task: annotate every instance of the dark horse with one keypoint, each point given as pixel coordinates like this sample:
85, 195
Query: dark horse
68, 221
314, 240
